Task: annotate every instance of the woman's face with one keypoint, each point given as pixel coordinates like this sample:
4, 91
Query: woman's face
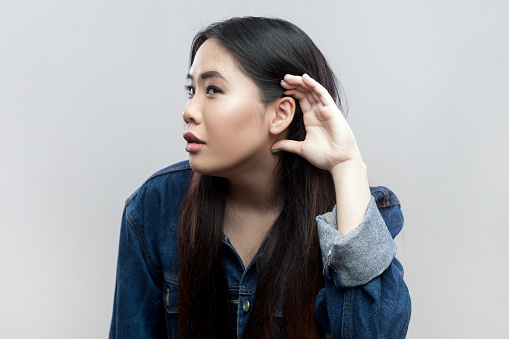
225, 113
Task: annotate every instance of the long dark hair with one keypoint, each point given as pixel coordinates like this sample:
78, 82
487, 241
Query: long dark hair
265, 49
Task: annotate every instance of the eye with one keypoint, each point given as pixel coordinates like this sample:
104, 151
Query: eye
189, 90
213, 90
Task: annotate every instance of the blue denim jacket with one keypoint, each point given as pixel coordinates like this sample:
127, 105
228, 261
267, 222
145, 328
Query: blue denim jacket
364, 294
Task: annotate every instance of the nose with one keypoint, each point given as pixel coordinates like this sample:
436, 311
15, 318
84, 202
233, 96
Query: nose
192, 113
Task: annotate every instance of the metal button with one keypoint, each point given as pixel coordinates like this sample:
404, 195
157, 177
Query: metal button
246, 305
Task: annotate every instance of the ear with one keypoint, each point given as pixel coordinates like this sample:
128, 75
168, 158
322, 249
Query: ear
282, 112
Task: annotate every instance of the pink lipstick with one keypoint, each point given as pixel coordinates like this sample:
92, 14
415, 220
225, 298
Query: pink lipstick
194, 144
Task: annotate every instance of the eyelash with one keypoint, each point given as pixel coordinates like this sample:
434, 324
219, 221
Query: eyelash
190, 90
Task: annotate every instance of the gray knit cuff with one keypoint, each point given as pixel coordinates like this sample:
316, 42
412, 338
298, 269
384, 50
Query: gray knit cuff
361, 255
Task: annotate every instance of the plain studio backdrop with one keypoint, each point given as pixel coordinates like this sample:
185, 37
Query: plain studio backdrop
91, 101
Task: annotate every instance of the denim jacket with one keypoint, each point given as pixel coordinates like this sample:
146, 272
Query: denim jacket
364, 295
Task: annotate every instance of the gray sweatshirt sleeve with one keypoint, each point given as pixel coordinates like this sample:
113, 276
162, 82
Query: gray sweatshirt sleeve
361, 255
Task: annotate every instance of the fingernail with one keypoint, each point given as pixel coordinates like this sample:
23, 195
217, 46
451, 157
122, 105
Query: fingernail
274, 151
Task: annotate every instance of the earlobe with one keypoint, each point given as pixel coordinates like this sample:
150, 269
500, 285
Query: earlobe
284, 110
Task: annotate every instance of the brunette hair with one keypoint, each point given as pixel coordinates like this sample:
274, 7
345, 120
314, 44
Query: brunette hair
265, 49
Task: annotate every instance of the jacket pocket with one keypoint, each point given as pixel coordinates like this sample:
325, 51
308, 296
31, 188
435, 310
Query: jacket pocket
170, 298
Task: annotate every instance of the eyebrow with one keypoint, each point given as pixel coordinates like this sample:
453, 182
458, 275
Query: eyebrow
209, 74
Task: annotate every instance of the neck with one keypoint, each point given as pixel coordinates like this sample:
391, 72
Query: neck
254, 189
256, 195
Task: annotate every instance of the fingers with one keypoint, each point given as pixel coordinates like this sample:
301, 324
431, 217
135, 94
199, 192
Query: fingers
306, 85
292, 82
318, 90
296, 94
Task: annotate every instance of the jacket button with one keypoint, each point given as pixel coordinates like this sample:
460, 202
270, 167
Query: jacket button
246, 305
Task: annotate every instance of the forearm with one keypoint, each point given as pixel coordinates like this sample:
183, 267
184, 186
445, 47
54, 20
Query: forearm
362, 277
352, 194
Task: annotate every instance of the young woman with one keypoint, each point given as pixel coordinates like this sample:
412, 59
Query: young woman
270, 229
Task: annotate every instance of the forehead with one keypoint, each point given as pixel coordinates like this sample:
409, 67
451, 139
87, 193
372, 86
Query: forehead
212, 56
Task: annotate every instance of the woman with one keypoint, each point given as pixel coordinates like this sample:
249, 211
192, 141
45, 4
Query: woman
274, 203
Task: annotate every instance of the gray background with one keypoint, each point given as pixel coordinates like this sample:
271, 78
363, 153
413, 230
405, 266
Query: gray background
91, 97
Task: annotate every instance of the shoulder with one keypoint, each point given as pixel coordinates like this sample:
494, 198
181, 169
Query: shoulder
151, 215
390, 208
158, 200
173, 178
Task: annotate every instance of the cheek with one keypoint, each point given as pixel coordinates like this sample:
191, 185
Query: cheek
238, 121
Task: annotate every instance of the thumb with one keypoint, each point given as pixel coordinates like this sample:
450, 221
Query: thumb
291, 146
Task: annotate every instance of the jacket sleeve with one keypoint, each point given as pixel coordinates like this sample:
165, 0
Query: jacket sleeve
138, 309
364, 294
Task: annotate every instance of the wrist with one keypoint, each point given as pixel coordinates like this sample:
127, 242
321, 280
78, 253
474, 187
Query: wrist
349, 167
352, 194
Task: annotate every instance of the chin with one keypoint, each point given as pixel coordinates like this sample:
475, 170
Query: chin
203, 168
217, 167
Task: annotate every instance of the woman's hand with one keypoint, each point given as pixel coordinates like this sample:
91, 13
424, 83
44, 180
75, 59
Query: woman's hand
329, 140
329, 145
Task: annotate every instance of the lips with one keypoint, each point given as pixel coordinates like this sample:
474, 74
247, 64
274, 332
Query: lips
193, 142
191, 138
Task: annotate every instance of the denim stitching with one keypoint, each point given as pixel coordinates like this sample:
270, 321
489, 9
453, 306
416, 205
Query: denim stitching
347, 313
139, 234
171, 280
330, 220
243, 291
231, 288
337, 281
388, 199
170, 309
